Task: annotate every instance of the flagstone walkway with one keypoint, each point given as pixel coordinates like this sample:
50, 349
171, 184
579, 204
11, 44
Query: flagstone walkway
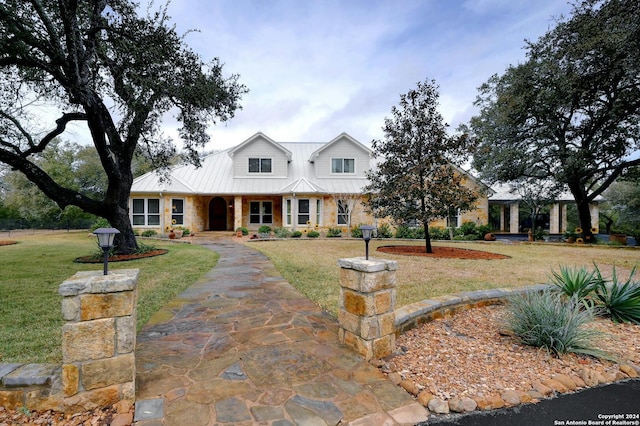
242, 347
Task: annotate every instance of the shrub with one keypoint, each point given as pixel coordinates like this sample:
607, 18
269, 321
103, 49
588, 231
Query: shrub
554, 323
438, 233
296, 234
619, 300
572, 282
264, 229
243, 229
100, 223
384, 231
356, 232
403, 231
281, 232
313, 234
334, 231
149, 233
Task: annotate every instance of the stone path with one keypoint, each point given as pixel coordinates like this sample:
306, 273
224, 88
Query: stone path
242, 346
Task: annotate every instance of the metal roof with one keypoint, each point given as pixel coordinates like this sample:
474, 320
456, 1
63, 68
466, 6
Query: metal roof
215, 176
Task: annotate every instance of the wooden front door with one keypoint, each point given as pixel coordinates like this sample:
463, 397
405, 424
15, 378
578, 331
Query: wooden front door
218, 214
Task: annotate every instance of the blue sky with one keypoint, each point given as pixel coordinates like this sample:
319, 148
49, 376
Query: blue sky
317, 68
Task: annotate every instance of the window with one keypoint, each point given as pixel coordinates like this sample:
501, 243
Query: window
259, 165
318, 212
343, 165
343, 212
261, 212
303, 212
146, 212
288, 212
453, 218
177, 212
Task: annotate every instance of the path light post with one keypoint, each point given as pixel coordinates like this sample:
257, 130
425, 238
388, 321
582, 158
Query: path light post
366, 236
105, 241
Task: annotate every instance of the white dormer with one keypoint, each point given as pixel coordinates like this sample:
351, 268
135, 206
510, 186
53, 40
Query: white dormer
260, 157
342, 157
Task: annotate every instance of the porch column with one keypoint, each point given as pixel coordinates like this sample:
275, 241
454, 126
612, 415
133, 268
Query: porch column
514, 222
594, 209
502, 211
237, 212
554, 219
563, 218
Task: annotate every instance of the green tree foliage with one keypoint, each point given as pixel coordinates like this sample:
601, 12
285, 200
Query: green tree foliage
71, 165
416, 179
622, 206
571, 111
98, 64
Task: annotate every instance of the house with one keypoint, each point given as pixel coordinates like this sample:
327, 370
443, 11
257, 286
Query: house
294, 185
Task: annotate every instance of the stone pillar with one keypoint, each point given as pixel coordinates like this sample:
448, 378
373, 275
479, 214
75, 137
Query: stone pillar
237, 212
98, 338
502, 213
514, 220
563, 218
554, 219
367, 301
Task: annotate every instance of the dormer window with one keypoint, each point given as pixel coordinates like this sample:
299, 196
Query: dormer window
343, 165
259, 165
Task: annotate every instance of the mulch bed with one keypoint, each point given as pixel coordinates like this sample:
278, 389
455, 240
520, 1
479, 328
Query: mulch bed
7, 243
441, 252
122, 257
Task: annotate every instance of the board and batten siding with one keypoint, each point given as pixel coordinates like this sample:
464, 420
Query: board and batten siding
342, 149
259, 149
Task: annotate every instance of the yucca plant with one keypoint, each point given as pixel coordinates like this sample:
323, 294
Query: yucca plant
619, 300
557, 324
574, 282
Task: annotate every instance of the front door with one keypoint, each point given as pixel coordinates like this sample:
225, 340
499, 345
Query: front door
218, 214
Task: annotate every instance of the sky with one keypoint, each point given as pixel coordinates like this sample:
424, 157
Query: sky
315, 69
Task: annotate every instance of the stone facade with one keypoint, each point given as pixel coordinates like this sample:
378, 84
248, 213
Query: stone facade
98, 340
367, 302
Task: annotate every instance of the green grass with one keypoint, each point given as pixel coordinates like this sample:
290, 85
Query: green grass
32, 270
311, 266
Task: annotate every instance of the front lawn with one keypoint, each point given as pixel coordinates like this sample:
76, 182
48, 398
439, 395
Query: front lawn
32, 270
311, 266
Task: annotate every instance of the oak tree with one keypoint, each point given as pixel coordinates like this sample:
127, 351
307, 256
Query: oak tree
98, 64
571, 111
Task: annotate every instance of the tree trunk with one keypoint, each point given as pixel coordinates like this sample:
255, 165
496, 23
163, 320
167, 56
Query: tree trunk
584, 215
427, 238
125, 241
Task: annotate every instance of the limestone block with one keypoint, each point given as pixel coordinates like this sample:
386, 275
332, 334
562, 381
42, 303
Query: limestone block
85, 401
349, 321
358, 344
126, 334
43, 399
369, 328
384, 346
377, 281
88, 340
107, 372
387, 323
95, 306
70, 309
350, 279
128, 391
355, 303
11, 400
70, 379
383, 302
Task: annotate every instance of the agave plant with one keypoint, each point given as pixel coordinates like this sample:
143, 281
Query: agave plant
619, 300
574, 282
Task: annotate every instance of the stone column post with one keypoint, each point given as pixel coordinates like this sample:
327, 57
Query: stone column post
514, 220
98, 338
237, 212
367, 302
554, 219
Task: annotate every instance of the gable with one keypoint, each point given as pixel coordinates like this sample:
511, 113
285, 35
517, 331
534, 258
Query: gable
343, 157
259, 156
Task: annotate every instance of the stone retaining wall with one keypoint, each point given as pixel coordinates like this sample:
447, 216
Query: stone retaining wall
98, 342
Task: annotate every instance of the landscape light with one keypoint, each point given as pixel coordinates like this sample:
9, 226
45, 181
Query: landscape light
105, 241
366, 236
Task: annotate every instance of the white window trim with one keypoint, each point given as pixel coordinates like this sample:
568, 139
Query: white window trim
146, 213
260, 173
355, 166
